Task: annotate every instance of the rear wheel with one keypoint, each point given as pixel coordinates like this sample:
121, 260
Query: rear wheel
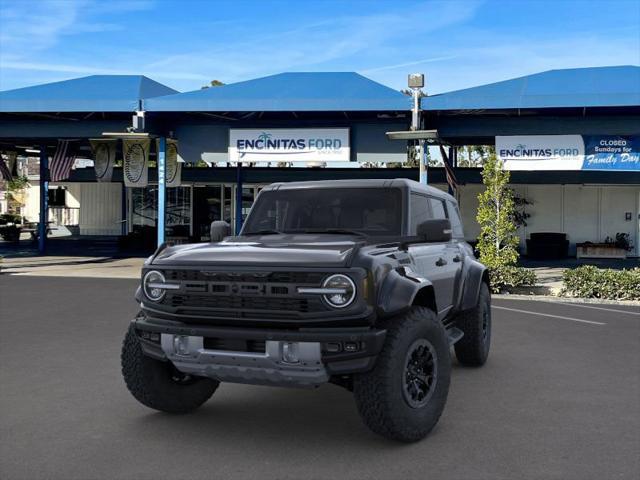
473, 348
159, 385
403, 397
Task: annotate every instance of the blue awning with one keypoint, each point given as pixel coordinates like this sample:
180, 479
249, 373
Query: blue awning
288, 92
96, 93
570, 88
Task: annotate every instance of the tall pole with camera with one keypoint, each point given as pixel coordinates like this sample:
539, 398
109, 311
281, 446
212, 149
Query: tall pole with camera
416, 83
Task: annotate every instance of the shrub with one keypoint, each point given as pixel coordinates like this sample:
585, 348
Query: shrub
510, 276
592, 282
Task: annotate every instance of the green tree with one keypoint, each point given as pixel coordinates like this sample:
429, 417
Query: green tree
213, 83
498, 243
474, 155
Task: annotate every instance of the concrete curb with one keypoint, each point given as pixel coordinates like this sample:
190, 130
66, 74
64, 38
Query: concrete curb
554, 299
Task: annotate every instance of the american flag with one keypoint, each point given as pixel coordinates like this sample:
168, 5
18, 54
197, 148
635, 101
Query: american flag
62, 161
448, 169
5, 172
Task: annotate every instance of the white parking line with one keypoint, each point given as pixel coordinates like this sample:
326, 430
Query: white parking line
597, 308
548, 315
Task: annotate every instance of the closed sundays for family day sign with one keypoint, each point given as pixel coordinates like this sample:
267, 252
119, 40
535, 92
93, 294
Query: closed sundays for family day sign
289, 145
569, 152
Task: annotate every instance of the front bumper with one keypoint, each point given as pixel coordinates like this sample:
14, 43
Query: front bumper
323, 352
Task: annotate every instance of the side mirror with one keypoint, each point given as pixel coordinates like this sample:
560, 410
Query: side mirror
219, 230
435, 230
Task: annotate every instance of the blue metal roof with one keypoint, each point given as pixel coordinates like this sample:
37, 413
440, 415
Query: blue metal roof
576, 87
96, 93
288, 92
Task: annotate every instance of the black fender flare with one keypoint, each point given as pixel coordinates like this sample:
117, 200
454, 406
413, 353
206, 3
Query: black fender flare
474, 274
403, 288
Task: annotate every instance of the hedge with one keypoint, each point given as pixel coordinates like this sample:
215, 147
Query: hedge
506, 277
588, 281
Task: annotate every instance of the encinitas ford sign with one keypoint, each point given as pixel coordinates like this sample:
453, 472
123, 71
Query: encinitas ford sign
541, 152
289, 145
569, 152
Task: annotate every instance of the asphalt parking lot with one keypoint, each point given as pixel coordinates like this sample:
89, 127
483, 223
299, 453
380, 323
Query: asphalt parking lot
558, 399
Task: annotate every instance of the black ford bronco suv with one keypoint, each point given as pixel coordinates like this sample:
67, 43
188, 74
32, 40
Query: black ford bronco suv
362, 283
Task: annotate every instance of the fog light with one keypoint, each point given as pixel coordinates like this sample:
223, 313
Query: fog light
290, 352
350, 347
181, 344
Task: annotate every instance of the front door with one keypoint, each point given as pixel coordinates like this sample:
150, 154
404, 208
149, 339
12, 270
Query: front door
437, 262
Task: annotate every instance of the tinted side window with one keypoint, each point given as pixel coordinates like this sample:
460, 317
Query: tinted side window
419, 212
456, 223
437, 207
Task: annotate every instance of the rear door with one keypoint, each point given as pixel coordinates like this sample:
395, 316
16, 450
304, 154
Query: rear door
457, 235
434, 261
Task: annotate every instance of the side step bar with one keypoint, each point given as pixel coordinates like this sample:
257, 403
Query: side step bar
454, 334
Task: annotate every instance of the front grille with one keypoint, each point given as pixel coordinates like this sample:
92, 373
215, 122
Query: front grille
234, 345
241, 303
266, 295
270, 277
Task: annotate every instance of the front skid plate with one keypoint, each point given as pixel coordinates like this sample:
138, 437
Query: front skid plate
188, 355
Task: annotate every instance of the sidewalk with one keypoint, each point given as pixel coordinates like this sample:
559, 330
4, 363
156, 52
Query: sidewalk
68, 266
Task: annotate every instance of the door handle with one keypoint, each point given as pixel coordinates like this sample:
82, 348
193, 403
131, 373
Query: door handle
456, 258
441, 262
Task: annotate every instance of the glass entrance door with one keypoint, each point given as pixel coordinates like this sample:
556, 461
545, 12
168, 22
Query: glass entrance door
218, 202
210, 203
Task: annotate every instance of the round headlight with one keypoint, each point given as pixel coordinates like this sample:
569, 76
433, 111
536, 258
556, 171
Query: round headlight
344, 290
153, 293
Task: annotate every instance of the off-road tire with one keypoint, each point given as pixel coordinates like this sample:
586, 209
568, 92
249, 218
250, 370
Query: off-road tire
473, 348
379, 393
150, 381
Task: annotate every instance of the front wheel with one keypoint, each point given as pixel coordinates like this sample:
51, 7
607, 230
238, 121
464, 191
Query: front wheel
403, 397
159, 385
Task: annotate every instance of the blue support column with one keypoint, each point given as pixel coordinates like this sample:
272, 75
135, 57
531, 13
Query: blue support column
424, 162
44, 200
162, 190
238, 198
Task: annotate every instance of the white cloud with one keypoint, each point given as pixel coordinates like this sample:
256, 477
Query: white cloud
30, 27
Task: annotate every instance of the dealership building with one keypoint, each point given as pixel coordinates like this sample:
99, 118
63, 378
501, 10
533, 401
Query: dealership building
571, 139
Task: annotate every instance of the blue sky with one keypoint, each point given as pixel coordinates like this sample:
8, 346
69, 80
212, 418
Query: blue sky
184, 44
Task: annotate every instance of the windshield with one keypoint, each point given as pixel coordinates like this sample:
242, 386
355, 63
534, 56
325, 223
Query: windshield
368, 211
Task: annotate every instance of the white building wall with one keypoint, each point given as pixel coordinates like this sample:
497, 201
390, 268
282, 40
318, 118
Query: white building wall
584, 212
580, 214
31, 210
73, 195
615, 203
100, 208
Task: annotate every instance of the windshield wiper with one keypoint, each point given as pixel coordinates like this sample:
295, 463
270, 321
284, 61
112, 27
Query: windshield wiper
263, 232
346, 231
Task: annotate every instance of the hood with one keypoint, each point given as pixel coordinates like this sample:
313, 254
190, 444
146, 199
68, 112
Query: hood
271, 250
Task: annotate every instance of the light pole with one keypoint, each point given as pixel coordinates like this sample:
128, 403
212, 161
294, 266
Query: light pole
416, 83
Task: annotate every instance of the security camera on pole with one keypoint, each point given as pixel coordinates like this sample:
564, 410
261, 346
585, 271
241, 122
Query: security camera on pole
416, 83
